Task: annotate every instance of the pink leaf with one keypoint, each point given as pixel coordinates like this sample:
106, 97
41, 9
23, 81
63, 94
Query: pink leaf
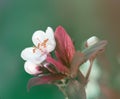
59, 66
65, 48
45, 79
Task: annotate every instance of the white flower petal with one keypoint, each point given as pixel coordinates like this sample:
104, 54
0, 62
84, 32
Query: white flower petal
33, 54
31, 68
50, 33
91, 41
51, 46
51, 42
38, 37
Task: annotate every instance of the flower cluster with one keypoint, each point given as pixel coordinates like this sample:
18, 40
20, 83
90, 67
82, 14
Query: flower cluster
44, 43
63, 68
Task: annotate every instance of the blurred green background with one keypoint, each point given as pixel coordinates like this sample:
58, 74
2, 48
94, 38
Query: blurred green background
81, 18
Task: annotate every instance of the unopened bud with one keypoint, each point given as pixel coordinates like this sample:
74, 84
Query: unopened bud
91, 41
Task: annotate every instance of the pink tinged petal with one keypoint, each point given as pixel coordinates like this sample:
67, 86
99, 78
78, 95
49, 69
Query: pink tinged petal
31, 68
60, 67
45, 79
64, 47
33, 54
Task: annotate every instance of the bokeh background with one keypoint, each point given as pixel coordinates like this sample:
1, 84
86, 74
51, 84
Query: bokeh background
81, 18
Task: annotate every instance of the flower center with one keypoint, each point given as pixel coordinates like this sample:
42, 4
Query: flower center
41, 45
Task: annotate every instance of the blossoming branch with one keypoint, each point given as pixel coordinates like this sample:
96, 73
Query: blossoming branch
63, 69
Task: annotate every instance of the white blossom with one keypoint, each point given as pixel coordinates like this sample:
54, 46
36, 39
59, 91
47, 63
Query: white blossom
44, 44
45, 41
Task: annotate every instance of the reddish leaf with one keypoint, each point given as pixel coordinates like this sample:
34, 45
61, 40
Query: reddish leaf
45, 79
77, 60
89, 71
51, 69
89, 53
64, 47
59, 66
93, 51
81, 78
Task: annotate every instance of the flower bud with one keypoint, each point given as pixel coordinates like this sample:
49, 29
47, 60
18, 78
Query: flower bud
91, 41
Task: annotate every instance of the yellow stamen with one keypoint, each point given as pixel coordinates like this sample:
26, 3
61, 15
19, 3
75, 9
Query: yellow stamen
41, 44
44, 43
34, 49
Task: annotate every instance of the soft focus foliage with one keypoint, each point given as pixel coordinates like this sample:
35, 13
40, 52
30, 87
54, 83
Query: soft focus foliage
82, 19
